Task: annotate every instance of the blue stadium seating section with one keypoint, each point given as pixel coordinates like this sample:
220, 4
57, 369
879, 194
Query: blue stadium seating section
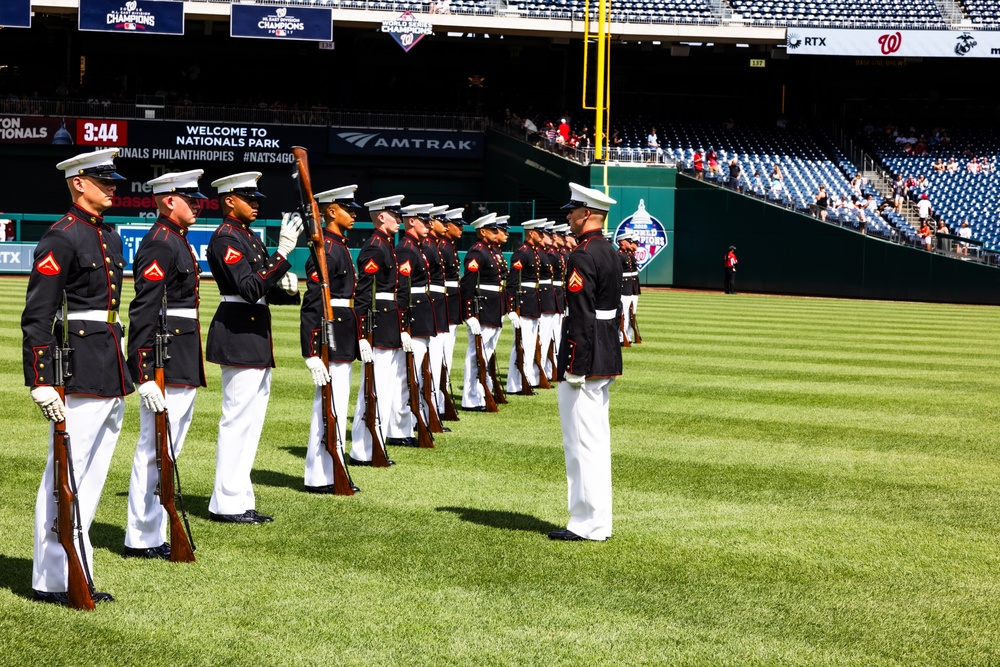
982, 12
904, 13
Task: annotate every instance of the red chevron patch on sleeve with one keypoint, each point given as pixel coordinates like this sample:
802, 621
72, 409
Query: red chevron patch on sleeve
575, 282
371, 266
473, 266
48, 266
153, 272
314, 276
517, 265
232, 255
405, 268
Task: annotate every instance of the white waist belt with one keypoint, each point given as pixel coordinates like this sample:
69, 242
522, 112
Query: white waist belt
189, 313
341, 303
547, 281
385, 296
630, 274
451, 283
235, 298
106, 316
606, 314
531, 285
490, 288
437, 288
557, 283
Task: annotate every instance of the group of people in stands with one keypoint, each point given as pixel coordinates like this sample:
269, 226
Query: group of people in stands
557, 135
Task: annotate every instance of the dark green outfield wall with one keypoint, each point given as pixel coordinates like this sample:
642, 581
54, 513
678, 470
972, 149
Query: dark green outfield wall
784, 252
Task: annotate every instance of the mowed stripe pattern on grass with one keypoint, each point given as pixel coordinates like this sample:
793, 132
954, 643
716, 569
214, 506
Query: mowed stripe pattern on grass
797, 481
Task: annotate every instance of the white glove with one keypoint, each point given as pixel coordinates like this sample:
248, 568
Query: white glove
474, 327
407, 341
366, 351
47, 398
290, 283
151, 397
291, 228
575, 380
320, 373
514, 319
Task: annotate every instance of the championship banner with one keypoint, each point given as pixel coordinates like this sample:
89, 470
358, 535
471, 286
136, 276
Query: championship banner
156, 17
893, 43
407, 30
407, 143
15, 14
648, 232
270, 22
197, 236
36, 130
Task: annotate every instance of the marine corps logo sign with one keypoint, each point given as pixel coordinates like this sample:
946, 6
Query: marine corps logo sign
407, 30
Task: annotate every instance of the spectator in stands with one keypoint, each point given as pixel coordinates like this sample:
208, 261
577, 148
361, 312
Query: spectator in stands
920, 148
653, 146
777, 185
973, 166
564, 130
925, 234
698, 161
822, 203
861, 215
734, 174
714, 169
757, 184
939, 166
871, 206
942, 228
898, 192
922, 185
550, 136
966, 233
924, 208
616, 141
857, 183
952, 165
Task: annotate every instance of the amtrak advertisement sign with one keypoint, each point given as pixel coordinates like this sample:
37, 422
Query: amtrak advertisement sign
649, 233
15, 13
159, 17
406, 143
269, 22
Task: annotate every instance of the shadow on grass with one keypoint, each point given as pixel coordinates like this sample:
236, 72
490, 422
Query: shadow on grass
279, 479
15, 575
297, 452
501, 519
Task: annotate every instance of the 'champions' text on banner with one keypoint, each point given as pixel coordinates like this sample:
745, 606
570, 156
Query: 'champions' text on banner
157, 17
270, 22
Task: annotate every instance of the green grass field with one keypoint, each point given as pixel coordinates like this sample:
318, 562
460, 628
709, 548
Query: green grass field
797, 482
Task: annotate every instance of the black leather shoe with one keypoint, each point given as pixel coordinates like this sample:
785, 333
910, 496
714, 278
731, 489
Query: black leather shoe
63, 598
258, 518
327, 489
165, 549
231, 518
351, 461
401, 442
565, 535
445, 429
148, 552
478, 408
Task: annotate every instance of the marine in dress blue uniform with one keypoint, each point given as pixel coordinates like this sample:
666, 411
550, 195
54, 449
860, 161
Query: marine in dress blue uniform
339, 211
522, 294
482, 307
431, 247
626, 258
589, 362
376, 309
166, 265
452, 273
546, 292
239, 338
81, 255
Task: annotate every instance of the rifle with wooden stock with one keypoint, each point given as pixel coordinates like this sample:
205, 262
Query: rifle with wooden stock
543, 380
481, 365
424, 438
526, 389
181, 543
621, 329
379, 457
634, 324
69, 526
450, 413
342, 483
433, 419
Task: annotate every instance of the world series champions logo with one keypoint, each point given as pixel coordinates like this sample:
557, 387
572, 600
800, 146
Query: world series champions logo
648, 232
407, 30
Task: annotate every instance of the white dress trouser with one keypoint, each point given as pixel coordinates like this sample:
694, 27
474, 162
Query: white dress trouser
529, 329
405, 422
147, 520
436, 350
390, 371
546, 333
93, 425
472, 391
245, 393
626, 320
586, 431
319, 465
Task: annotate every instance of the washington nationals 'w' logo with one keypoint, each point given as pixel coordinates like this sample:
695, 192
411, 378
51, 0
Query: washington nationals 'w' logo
890, 43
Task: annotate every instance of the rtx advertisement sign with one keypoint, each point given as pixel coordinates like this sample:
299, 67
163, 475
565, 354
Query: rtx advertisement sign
406, 143
158, 17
